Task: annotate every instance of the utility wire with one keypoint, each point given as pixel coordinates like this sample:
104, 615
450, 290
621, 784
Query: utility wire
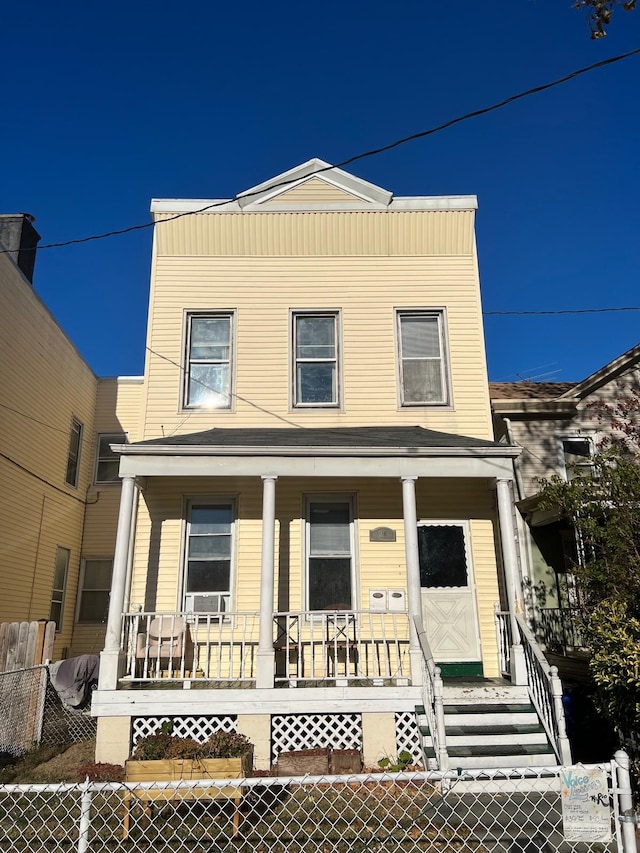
31, 418
42, 480
372, 153
563, 311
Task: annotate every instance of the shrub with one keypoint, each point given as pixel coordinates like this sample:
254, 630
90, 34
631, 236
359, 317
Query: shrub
101, 771
227, 745
163, 745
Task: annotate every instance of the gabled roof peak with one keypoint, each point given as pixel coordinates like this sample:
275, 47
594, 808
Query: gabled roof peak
284, 182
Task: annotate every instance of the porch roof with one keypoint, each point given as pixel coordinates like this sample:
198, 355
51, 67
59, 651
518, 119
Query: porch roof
343, 451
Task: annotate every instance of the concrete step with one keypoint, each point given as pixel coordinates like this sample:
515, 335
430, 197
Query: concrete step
525, 718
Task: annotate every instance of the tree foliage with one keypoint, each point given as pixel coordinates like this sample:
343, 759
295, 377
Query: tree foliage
600, 12
605, 511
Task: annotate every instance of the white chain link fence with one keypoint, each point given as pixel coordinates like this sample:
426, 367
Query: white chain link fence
31, 713
512, 811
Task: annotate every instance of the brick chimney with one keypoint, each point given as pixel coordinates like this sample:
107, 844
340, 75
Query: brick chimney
20, 238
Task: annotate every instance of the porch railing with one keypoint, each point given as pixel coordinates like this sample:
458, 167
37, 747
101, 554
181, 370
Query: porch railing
544, 685
180, 646
309, 647
560, 629
433, 698
342, 646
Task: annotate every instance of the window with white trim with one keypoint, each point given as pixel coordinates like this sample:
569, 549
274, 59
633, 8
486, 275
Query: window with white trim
93, 604
108, 462
422, 367
577, 455
208, 559
316, 380
209, 361
73, 456
330, 562
60, 572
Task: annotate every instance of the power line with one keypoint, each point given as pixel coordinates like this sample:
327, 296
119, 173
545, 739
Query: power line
372, 153
35, 420
42, 480
563, 311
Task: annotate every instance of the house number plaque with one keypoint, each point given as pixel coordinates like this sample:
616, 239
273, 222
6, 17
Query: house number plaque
382, 534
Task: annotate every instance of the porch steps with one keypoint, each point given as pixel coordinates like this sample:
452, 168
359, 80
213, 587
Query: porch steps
489, 726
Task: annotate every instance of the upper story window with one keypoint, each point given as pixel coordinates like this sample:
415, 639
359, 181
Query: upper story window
577, 455
315, 359
209, 361
422, 358
73, 456
108, 462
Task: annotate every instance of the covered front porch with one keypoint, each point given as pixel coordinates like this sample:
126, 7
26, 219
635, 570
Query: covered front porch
387, 627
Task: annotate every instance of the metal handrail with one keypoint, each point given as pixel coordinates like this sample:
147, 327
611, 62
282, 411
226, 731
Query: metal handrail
433, 697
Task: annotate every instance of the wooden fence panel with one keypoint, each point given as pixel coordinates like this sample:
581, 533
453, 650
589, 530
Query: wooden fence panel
25, 644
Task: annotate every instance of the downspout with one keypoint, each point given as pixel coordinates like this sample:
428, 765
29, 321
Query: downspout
516, 462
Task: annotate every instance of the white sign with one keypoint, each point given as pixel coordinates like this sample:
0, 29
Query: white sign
586, 813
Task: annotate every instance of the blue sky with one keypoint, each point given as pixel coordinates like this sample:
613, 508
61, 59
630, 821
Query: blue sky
105, 108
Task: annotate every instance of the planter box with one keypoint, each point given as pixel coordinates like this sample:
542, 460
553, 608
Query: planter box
319, 762
303, 762
175, 769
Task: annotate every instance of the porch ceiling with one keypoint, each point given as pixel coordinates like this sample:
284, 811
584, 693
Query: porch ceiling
346, 451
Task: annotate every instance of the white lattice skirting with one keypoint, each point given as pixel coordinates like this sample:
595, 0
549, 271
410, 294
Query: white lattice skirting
309, 731
407, 736
198, 728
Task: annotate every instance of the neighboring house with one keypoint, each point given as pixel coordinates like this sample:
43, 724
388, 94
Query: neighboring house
314, 476
558, 430
51, 409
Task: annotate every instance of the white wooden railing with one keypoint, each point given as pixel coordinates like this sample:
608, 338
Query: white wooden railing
544, 685
561, 628
433, 698
309, 647
180, 646
342, 646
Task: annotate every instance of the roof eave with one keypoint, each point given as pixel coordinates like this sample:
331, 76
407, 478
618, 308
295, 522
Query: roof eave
508, 451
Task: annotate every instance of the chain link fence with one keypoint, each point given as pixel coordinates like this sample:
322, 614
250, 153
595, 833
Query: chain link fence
31, 713
512, 811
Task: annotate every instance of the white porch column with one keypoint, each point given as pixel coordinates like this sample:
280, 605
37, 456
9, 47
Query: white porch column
510, 561
414, 594
112, 655
265, 657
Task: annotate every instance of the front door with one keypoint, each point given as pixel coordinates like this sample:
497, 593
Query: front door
449, 608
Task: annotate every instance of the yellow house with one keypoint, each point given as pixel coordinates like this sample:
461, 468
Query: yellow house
315, 521
47, 404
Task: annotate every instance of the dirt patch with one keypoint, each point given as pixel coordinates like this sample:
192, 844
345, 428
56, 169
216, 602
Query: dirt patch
50, 764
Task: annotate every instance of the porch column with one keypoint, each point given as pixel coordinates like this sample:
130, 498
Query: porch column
510, 562
414, 594
112, 655
265, 657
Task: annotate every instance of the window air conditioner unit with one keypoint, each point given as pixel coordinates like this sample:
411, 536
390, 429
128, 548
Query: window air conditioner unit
205, 602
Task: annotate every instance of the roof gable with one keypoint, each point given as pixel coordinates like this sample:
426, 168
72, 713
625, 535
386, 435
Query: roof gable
315, 184
613, 370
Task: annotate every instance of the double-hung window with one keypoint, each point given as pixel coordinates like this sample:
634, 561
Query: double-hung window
73, 456
208, 559
93, 605
108, 462
577, 455
330, 568
60, 572
209, 361
423, 375
315, 359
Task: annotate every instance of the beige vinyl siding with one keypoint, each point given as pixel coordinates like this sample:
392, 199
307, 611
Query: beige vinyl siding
381, 565
313, 191
263, 290
318, 233
38, 510
118, 409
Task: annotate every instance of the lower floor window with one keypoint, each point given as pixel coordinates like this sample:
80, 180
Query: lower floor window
60, 572
94, 593
209, 548
330, 554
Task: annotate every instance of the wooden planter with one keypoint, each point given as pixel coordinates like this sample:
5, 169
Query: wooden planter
319, 762
175, 769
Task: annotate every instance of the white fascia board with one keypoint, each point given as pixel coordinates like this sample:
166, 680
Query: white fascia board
506, 450
435, 202
553, 408
193, 205
482, 467
303, 700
